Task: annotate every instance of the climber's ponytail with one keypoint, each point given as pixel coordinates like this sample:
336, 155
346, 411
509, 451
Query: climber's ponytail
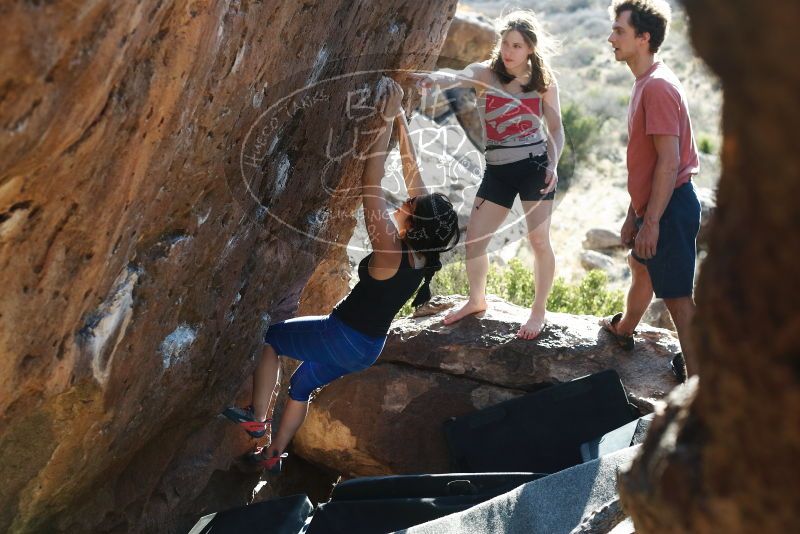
434, 230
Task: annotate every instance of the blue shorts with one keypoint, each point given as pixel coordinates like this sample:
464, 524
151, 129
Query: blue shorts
672, 268
328, 348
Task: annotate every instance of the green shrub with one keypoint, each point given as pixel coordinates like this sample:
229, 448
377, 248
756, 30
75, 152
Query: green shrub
406, 310
580, 131
514, 283
589, 297
705, 144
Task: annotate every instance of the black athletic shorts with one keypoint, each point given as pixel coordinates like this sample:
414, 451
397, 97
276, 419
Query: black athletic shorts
502, 183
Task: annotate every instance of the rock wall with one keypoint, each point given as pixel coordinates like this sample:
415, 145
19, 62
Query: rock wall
152, 224
723, 457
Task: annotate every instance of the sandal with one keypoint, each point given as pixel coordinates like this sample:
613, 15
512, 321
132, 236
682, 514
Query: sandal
678, 365
244, 418
623, 340
271, 465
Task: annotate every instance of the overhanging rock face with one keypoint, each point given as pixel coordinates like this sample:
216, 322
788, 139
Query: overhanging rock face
154, 219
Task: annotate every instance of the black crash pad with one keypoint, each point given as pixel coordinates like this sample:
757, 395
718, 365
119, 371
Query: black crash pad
286, 515
541, 432
620, 438
374, 505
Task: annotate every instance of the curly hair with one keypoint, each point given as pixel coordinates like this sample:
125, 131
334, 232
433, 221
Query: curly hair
647, 16
543, 44
434, 230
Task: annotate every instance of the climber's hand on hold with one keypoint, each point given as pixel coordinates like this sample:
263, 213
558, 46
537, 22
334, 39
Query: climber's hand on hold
390, 99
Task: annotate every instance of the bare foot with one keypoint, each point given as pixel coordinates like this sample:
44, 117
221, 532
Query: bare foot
533, 327
467, 309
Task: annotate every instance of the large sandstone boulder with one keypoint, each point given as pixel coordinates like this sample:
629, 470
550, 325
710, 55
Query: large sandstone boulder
154, 218
591, 260
470, 39
329, 283
602, 239
485, 347
723, 458
657, 314
708, 204
388, 419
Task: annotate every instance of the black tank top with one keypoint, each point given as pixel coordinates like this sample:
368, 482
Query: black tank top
372, 304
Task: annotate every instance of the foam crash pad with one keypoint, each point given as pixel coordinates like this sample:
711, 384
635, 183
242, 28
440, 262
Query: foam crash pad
373, 505
286, 515
631, 434
437, 485
555, 504
541, 432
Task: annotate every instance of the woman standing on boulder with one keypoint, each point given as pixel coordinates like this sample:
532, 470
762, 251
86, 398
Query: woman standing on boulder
516, 89
352, 336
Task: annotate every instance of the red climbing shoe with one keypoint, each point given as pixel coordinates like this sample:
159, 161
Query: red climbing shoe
272, 464
244, 418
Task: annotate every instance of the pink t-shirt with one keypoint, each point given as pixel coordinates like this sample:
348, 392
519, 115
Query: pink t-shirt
658, 107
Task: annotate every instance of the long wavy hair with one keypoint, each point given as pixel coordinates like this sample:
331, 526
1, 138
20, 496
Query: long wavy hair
434, 230
543, 44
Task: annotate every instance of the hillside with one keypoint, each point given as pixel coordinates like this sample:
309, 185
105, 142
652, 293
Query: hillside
599, 87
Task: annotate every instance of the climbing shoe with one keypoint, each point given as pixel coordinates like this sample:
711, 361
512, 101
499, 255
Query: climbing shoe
244, 418
678, 365
272, 464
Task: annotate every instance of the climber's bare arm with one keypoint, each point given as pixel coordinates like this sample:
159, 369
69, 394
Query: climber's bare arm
381, 230
411, 175
475, 75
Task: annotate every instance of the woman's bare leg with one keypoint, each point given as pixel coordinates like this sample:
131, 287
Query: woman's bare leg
485, 219
294, 413
265, 379
537, 217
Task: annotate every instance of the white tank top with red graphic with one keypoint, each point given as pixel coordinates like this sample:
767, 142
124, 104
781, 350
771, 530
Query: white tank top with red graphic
512, 125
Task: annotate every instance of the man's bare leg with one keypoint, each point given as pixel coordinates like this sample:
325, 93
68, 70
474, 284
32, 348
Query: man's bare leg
682, 311
484, 220
639, 296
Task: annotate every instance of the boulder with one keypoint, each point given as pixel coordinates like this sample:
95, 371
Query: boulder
434, 104
164, 195
387, 420
461, 103
485, 347
591, 259
329, 283
470, 39
658, 315
464, 103
601, 239
708, 204
661, 448
371, 423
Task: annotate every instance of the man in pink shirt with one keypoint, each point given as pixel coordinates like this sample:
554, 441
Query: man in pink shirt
664, 214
